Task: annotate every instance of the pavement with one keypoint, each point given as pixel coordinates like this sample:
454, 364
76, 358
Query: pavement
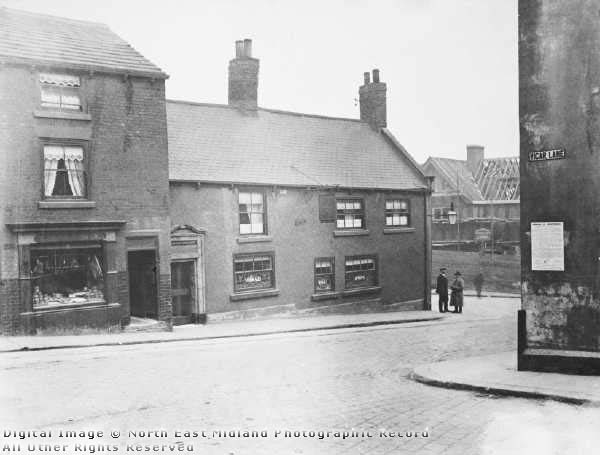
324, 380
228, 329
497, 374
494, 374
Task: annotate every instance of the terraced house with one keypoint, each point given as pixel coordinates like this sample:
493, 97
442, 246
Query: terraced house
84, 219
239, 209
280, 209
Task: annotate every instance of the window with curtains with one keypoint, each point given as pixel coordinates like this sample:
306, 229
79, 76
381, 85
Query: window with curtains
350, 214
60, 91
252, 212
64, 172
397, 212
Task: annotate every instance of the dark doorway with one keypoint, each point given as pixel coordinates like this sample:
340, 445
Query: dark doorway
142, 284
183, 291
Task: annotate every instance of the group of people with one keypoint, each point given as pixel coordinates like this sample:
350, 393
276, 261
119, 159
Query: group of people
456, 288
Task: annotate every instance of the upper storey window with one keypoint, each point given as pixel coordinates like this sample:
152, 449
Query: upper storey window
60, 91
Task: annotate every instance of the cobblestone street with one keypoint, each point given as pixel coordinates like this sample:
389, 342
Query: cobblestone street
338, 380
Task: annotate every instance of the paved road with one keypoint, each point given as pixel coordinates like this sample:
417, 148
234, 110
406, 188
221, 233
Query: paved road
336, 381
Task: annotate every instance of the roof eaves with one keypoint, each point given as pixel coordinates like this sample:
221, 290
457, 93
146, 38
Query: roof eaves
9, 59
292, 185
388, 135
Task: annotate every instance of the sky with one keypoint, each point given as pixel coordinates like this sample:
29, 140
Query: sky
450, 65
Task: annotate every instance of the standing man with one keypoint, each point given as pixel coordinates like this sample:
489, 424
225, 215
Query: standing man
457, 287
479, 283
441, 289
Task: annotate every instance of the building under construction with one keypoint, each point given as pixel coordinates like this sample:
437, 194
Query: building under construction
475, 201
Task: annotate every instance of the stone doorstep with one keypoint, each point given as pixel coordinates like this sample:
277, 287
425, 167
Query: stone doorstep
145, 325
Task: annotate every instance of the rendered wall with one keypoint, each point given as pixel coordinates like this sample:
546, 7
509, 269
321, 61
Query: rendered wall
559, 108
297, 238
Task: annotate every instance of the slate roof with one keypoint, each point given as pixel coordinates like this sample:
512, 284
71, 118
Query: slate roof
55, 41
495, 179
218, 143
452, 170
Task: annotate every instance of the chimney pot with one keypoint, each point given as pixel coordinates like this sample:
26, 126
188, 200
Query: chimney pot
248, 48
239, 49
376, 76
372, 99
243, 77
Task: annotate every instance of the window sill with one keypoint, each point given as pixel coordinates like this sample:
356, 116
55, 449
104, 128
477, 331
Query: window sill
255, 239
41, 113
254, 295
70, 306
398, 230
324, 296
67, 204
350, 232
361, 291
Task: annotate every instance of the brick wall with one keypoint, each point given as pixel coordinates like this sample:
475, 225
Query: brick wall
126, 156
297, 238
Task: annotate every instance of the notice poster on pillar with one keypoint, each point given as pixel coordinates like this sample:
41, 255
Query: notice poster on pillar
547, 246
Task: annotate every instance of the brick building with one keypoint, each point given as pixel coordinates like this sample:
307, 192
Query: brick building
483, 192
273, 208
84, 221
559, 112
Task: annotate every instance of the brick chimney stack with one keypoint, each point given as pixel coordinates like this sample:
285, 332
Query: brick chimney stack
243, 77
372, 97
475, 155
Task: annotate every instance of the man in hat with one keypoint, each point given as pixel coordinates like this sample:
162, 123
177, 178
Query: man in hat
441, 289
457, 292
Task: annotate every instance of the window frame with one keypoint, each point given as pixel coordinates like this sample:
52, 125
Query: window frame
444, 216
375, 280
401, 212
62, 92
61, 250
345, 212
317, 275
270, 254
45, 142
265, 223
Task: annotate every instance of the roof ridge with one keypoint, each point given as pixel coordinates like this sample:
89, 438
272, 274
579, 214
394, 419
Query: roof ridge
264, 109
515, 157
52, 16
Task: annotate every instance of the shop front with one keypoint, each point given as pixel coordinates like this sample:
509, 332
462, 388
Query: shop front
67, 275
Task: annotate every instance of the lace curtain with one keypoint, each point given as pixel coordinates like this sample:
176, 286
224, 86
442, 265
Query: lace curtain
73, 159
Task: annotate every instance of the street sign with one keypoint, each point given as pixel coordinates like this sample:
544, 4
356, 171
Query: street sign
547, 155
482, 235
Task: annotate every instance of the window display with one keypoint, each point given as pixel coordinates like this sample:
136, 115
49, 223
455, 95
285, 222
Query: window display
253, 272
66, 276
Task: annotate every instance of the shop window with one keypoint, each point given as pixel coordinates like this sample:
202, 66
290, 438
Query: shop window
397, 212
60, 91
252, 212
324, 275
66, 276
360, 271
350, 214
253, 272
64, 172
